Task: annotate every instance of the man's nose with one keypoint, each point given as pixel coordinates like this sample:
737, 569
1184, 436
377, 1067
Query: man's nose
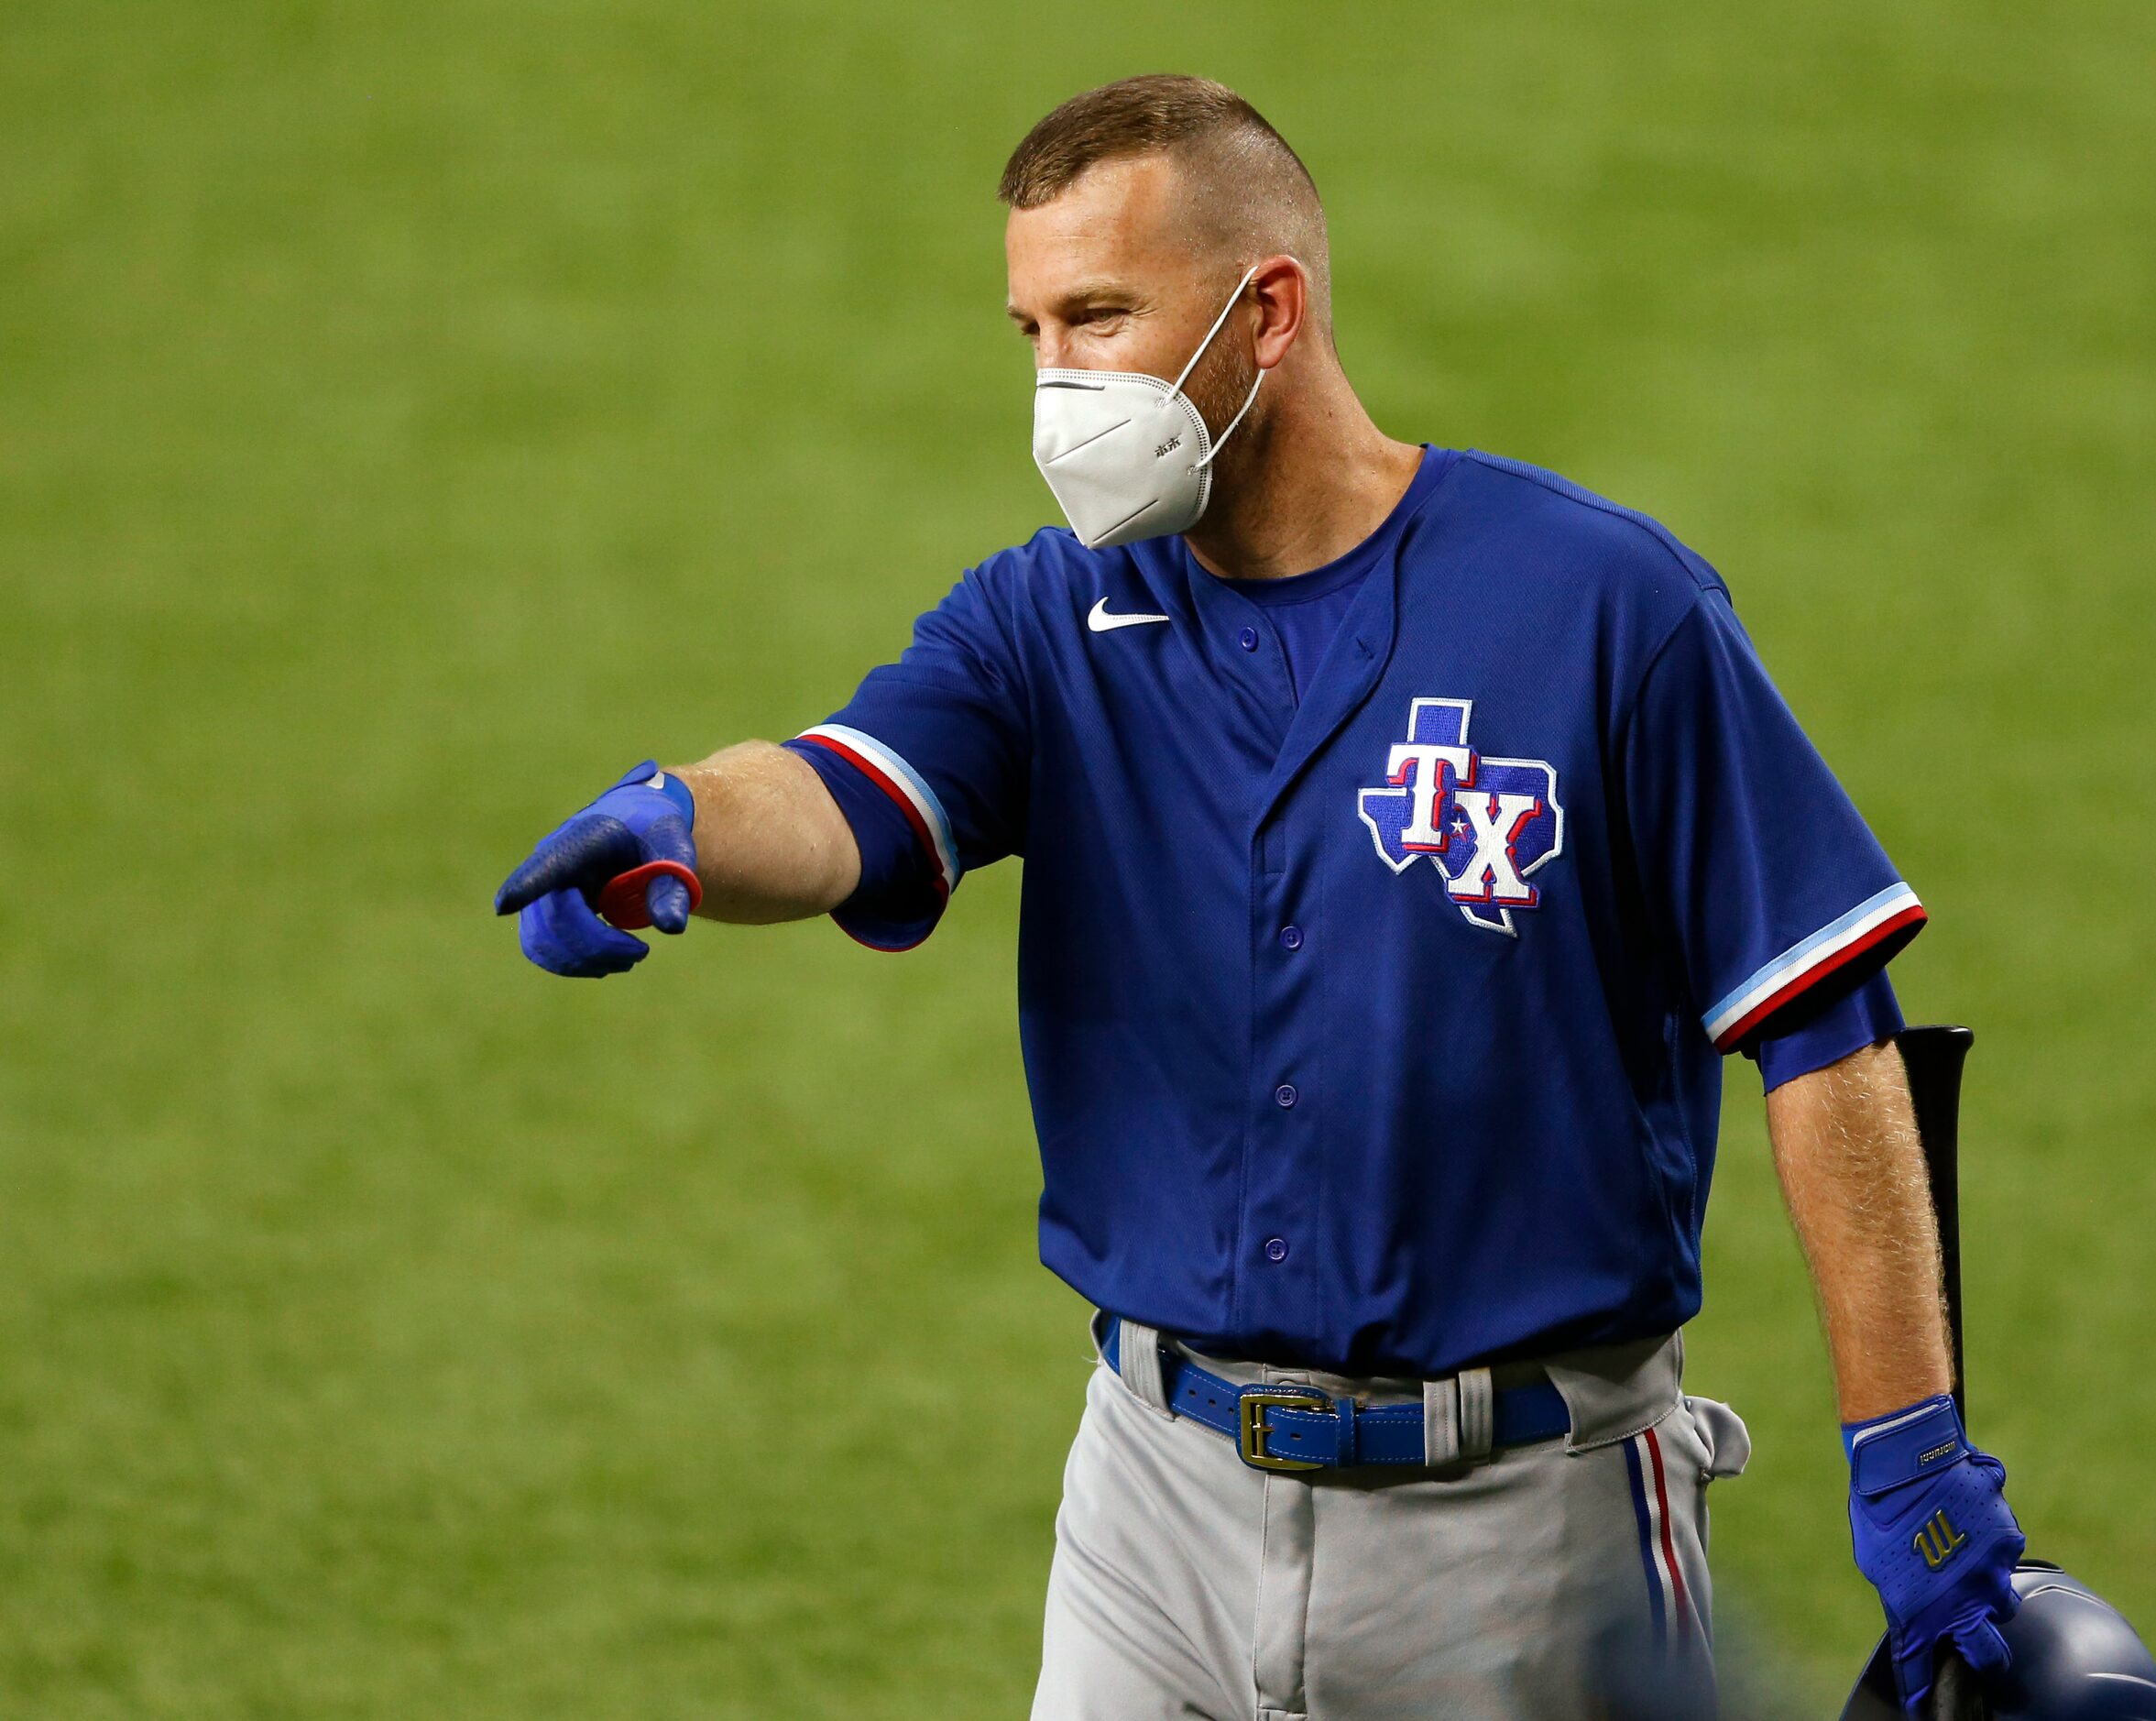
1051, 350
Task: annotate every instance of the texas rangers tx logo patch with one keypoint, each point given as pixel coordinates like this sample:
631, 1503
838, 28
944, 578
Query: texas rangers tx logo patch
1485, 824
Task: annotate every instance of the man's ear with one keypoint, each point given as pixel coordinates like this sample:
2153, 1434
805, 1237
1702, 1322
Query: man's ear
1281, 286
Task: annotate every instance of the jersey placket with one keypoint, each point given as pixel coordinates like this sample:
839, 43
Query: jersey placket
1283, 1165
1276, 1269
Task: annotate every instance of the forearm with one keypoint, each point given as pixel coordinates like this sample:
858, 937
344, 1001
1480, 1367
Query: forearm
770, 842
1852, 1171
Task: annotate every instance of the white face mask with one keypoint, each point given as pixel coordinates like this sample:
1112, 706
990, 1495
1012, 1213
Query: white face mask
1128, 456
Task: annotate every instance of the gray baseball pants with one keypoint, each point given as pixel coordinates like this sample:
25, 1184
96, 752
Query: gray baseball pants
1566, 1578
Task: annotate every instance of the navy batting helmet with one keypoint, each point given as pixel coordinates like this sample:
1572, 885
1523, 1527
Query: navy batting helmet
2075, 1659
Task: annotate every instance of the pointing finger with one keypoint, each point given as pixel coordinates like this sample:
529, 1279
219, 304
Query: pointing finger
585, 853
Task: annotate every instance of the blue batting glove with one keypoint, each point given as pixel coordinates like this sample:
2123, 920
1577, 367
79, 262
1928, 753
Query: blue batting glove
1933, 1533
629, 855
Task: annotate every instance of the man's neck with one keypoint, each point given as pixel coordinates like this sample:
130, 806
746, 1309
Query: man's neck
1317, 478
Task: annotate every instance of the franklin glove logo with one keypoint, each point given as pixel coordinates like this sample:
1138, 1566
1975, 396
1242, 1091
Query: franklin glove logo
1487, 825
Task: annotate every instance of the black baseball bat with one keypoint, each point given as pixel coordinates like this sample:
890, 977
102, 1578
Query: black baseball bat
1934, 1058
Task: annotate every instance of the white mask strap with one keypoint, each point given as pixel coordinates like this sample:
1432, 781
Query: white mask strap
1221, 441
1183, 376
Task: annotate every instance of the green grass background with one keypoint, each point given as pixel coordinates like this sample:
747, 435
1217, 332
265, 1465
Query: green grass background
410, 413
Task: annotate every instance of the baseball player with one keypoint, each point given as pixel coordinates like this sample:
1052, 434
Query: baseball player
1409, 834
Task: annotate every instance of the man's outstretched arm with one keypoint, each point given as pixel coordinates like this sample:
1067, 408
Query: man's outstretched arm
750, 835
770, 842
1928, 1517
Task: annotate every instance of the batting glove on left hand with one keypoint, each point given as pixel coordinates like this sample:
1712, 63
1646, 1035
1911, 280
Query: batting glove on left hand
629, 855
1933, 1532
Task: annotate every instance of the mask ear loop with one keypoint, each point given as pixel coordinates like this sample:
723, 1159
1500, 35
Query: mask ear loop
1184, 375
1221, 441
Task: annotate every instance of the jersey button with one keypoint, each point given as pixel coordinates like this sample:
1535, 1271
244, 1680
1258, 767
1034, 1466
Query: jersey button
1285, 1095
1291, 938
1276, 1248
1248, 639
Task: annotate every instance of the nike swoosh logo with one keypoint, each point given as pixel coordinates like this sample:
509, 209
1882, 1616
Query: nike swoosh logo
1101, 621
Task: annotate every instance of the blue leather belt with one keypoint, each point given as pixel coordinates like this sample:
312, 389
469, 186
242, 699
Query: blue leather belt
1283, 1426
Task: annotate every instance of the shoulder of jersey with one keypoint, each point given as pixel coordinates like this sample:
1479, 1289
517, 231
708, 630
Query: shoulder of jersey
1052, 574
1622, 543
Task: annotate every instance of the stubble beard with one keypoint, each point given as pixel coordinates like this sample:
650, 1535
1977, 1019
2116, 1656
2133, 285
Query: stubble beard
1218, 388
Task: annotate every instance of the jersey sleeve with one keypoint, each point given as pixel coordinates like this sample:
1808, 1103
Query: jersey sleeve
928, 763
896, 904
1763, 872
1851, 1019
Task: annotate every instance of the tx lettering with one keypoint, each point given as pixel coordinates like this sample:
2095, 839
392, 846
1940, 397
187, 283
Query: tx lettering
1937, 1539
1484, 824
1495, 822
1436, 777
1422, 768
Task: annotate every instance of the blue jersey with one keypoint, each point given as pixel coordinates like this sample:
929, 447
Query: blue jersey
1373, 1014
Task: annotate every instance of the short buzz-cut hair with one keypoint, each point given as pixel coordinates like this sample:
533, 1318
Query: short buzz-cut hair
1248, 187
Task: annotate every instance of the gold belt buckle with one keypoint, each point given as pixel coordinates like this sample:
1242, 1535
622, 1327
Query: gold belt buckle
1250, 1406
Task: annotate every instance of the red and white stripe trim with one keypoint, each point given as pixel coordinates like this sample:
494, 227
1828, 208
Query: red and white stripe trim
1803, 965
1663, 1567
